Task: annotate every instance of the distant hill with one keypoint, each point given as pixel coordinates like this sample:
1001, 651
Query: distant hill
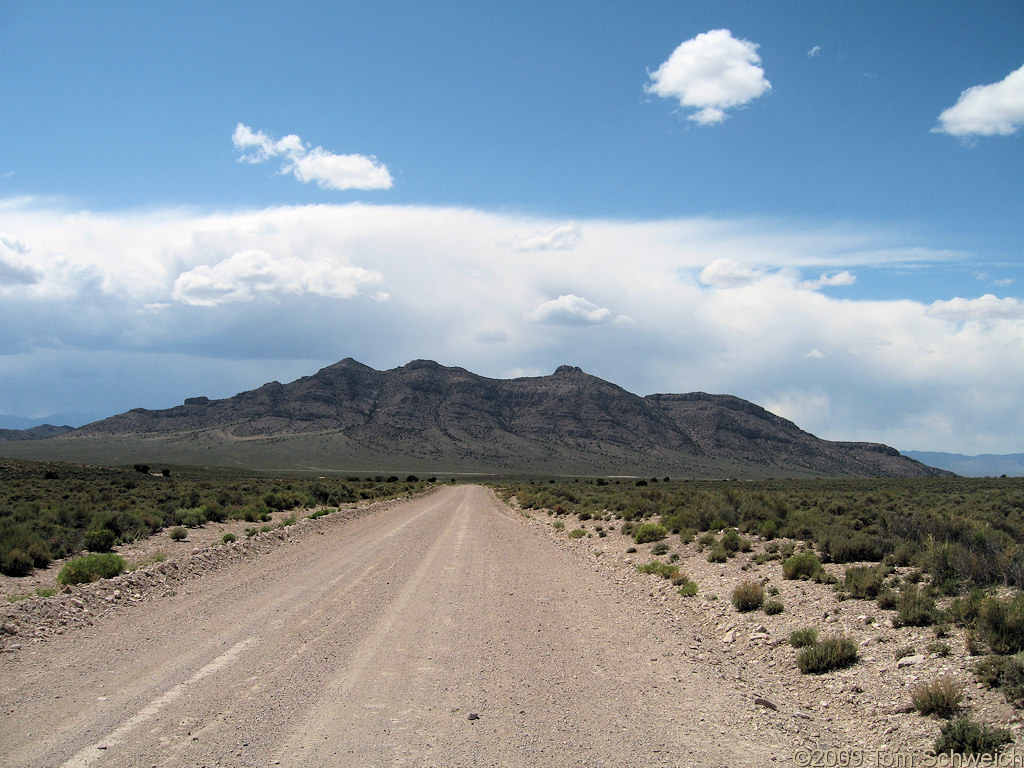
74, 419
427, 417
984, 465
34, 433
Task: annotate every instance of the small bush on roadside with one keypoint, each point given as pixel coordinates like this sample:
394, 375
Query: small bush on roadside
731, 540
718, 554
826, 656
801, 638
1001, 624
866, 581
965, 737
227, 538
939, 648
774, 607
1005, 673
15, 562
705, 540
914, 608
940, 697
178, 533
558, 525
659, 568
804, 565
648, 532
687, 588
888, 599
577, 533
907, 650
659, 549
87, 568
748, 596
99, 540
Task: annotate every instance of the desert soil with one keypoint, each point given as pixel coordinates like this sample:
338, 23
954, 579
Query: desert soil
445, 630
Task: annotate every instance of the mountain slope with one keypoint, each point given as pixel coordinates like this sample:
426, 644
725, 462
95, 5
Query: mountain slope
427, 417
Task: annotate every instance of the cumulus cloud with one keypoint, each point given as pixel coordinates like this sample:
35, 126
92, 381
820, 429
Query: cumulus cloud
14, 270
562, 238
711, 73
726, 273
986, 307
996, 109
570, 309
843, 278
247, 275
327, 169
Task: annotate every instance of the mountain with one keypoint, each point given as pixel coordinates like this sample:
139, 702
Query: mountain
984, 465
426, 417
34, 433
21, 423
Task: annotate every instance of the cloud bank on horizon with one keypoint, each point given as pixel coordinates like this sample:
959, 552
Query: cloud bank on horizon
754, 308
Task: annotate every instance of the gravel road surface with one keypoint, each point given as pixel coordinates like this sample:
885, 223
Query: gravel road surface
438, 632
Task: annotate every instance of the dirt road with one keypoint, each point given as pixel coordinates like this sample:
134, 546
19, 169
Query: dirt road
440, 632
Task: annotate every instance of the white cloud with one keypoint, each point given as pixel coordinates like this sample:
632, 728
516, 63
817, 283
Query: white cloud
987, 110
814, 52
726, 273
561, 238
570, 309
327, 169
711, 73
987, 307
844, 278
251, 274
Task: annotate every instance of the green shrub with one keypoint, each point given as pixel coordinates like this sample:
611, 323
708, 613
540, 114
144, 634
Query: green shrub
578, 533
774, 607
748, 596
88, 568
16, 562
940, 649
1005, 673
907, 650
178, 533
705, 540
558, 525
731, 540
965, 737
659, 568
864, 582
888, 599
940, 697
1001, 624
227, 538
99, 540
687, 588
914, 608
648, 532
828, 655
659, 549
718, 553
804, 565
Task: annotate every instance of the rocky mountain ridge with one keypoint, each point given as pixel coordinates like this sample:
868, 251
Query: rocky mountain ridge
427, 417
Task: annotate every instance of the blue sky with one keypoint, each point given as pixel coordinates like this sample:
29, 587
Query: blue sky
814, 206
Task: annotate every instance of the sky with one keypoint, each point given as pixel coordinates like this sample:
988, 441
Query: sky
818, 207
